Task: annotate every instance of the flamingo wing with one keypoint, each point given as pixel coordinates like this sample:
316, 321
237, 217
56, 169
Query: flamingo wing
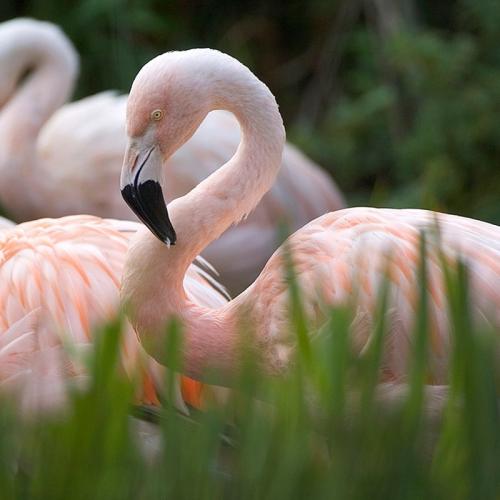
59, 280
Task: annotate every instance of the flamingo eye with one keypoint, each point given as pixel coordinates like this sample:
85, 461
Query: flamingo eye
157, 115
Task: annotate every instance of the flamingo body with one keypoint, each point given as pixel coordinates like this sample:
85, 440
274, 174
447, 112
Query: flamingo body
344, 257
79, 150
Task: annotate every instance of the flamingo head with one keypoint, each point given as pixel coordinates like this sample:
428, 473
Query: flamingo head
167, 102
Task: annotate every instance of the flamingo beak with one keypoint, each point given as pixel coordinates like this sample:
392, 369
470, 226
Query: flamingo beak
141, 190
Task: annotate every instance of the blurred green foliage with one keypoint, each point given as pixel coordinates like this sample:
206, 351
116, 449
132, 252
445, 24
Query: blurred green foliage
398, 99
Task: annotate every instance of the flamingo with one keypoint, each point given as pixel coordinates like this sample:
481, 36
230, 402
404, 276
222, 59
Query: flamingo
57, 161
336, 256
59, 280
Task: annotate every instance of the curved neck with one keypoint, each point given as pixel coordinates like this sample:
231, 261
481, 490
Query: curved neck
234, 190
153, 283
50, 64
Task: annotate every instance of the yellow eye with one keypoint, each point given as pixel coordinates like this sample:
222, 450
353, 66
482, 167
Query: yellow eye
157, 115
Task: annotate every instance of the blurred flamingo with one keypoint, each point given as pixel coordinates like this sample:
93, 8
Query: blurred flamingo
57, 161
59, 280
337, 257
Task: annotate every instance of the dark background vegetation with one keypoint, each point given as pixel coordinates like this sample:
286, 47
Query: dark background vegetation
399, 100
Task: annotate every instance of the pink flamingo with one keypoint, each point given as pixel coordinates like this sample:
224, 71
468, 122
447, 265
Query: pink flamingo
57, 161
337, 256
59, 280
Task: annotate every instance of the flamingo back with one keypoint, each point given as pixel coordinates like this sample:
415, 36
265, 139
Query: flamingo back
344, 257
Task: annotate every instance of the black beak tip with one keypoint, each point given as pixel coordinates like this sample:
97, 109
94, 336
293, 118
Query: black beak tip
164, 234
170, 239
146, 201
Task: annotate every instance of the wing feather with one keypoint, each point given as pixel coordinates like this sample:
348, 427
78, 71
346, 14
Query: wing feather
59, 280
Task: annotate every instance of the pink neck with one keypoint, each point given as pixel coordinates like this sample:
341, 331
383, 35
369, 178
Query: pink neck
154, 274
53, 65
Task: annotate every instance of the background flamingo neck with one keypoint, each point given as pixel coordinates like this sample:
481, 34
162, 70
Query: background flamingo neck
45, 69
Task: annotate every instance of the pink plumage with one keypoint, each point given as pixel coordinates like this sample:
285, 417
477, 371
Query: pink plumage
59, 280
344, 257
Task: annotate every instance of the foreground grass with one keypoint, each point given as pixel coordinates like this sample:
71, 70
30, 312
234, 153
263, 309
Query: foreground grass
326, 431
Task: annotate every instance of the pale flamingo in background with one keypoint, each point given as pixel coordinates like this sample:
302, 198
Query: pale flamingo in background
61, 161
336, 256
59, 280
